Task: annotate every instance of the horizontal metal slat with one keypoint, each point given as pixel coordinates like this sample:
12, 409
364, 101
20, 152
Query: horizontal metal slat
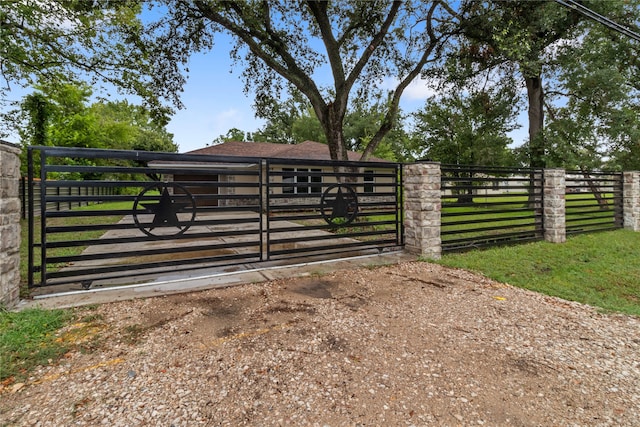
131, 226
483, 229
332, 237
155, 251
110, 241
343, 247
495, 238
467, 245
104, 272
491, 221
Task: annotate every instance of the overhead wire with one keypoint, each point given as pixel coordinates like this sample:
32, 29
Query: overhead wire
572, 4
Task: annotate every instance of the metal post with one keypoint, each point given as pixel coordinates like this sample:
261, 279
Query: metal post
30, 215
43, 217
266, 167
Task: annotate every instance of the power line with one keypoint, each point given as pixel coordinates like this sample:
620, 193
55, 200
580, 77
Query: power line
583, 10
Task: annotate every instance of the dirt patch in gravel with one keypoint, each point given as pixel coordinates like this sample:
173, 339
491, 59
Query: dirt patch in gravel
412, 344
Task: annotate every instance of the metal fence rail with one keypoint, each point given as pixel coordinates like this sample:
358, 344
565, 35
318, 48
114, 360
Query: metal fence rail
80, 190
593, 201
484, 206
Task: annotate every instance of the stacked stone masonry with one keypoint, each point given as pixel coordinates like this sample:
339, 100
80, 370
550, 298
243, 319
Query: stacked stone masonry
554, 207
631, 200
422, 208
422, 203
9, 225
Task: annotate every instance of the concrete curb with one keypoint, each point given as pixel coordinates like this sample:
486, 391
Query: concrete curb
217, 280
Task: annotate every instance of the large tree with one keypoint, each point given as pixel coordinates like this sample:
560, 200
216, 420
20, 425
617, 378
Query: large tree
62, 116
593, 107
367, 47
555, 52
517, 35
468, 129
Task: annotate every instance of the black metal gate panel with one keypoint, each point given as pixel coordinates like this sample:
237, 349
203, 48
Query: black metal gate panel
593, 201
147, 213
340, 208
485, 206
143, 215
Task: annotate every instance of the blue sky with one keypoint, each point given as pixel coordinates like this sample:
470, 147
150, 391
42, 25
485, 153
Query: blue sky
214, 100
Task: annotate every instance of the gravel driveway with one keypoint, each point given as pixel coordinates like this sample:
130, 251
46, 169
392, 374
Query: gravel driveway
409, 344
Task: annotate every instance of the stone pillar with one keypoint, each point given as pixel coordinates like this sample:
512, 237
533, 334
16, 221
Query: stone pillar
9, 224
422, 206
553, 209
631, 200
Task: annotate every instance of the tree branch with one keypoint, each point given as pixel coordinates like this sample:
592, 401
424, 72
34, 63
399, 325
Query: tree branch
392, 112
369, 50
258, 40
319, 11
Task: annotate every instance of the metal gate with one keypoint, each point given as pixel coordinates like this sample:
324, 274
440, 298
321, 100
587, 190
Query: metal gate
147, 215
338, 208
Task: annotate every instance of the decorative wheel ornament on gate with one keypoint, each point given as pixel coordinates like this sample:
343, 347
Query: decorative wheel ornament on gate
339, 204
167, 217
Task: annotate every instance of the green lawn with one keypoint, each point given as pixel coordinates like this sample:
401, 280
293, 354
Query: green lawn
27, 339
600, 269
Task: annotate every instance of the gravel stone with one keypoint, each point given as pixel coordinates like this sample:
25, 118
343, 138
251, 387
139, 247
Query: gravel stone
408, 344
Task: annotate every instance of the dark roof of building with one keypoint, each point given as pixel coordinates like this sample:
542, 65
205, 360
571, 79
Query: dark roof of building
308, 150
10, 144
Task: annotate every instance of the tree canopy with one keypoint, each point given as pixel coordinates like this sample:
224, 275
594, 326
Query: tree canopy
68, 41
62, 117
293, 121
469, 129
563, 59
335, 71
372, 48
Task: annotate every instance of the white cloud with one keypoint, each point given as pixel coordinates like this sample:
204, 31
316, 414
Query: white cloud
226, 120
419, 89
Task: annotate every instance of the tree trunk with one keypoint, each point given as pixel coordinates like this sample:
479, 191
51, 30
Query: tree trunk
464, 194
602, 203
332, 126
335, 141
331, 121
465, 198
536, 121
535, 96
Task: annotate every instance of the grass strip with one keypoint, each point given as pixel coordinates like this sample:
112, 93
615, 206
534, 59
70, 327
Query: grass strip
599, 269
28, 339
